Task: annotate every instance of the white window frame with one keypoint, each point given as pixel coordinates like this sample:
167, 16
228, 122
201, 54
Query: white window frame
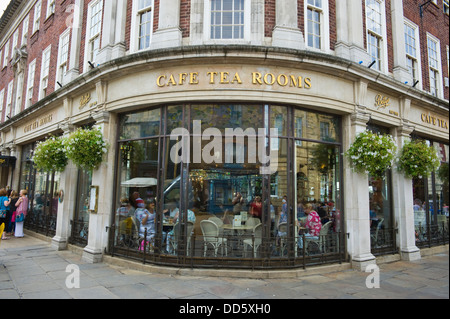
37, 16
418, 59
30, 83
135, 23
25, 27
45, 71
15, 40
2, 98
207, 26
445, 5
91, 38
5, 55
63, 56
381, 37
324, 25
51, 4
437, 70
9, 98
19, 94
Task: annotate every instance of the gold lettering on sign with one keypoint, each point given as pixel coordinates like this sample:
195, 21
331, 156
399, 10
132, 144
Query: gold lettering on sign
38, 123
434, 121
381, 102
85, 100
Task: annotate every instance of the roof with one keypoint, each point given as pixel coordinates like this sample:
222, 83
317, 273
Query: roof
8, 14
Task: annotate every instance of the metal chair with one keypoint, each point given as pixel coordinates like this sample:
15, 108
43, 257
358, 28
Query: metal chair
255, 241
211, 237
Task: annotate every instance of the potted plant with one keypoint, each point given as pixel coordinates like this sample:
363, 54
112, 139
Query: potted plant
50, 155
85, 147
417, 159
372, 153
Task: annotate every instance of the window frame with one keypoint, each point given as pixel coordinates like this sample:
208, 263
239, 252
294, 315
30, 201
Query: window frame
324, 18
45, 72
37, 16
92, 38
135, 25
207, 26
30, 83
380, 36
417, 58
61, 69
436, 71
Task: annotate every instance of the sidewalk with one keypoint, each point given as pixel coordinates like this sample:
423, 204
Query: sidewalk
30, 268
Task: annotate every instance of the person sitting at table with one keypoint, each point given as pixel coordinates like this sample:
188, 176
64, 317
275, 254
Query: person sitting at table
256, 208
146, 219
170, 235
313, 225
171, 210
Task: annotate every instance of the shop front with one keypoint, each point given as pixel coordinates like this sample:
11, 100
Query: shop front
217, 156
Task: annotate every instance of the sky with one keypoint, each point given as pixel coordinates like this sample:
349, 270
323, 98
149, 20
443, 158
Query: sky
3, 5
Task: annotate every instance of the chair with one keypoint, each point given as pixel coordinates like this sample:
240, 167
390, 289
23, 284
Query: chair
442, 221
211, 236
190, 228
282, 228
321, 240
255, 241
376, 239
216, 220
173, 240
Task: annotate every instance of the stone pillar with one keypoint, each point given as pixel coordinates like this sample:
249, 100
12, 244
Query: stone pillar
350, 31
403, 198
75, 44
66, 206
169, 32
398, 33
286, 32
103, 177
113, 31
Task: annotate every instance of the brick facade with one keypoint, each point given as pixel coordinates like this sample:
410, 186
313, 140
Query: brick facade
434, 22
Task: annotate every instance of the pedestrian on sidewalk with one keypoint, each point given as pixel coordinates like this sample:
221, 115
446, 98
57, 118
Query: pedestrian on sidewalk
4, 204
12, 225
21, 212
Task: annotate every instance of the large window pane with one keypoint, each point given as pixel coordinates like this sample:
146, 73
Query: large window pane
140, 124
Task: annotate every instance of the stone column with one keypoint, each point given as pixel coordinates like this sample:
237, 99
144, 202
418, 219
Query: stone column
398, 34
169, 32
403, 198
113, 31
103, 177
350, 31
66, 206
286, 32
76, 19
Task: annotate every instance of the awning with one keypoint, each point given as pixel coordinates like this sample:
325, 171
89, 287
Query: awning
140, 182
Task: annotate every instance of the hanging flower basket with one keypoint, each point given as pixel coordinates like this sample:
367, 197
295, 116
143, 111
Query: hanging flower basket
372, 153
50, 155
85, 147
417, 159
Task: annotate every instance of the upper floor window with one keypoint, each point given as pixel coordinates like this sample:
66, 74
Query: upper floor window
25, 25
37, 16
434, 64
45, 68
317, 24
63, 55
2, 98
412, 49
93, 32
6, 54
375, 24
50, 7
446, 7
30, 84
141, 25
227, 19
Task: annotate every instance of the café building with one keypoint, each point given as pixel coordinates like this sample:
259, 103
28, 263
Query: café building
227, 145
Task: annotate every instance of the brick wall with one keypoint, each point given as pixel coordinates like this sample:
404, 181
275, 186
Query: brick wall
436, 23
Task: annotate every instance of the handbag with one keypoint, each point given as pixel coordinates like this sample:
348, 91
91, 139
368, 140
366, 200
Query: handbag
20, 218
3, 213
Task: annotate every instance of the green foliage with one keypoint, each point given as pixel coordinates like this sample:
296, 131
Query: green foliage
417, 159
50, 155
372, 153
85, 148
